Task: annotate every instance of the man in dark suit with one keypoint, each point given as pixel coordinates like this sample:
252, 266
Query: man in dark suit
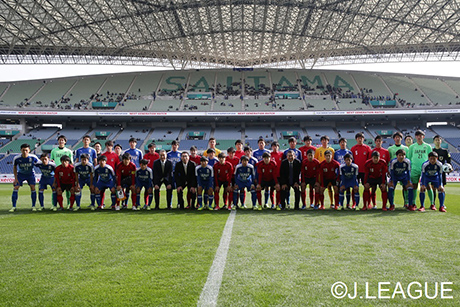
290, 178
162, 174
185, 177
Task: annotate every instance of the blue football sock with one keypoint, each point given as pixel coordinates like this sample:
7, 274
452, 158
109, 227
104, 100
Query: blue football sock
54, 198
78, 198
98, 199
93, 199
357, 199
210, 200
138, 199
113, 196
391, 196
150, 198
442, 197
341, 197
242, 198
422, 199
348, 197
267, 196
410, 194
41, 198
200, 200
254, 197
206, 199
14, 197
33, 196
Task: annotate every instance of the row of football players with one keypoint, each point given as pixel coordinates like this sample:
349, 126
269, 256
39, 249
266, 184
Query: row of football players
134, 180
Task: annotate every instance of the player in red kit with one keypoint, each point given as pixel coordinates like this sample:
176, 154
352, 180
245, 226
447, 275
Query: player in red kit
194, 157
328, 176
126, 179
268, 173
310, 169
112, 157
64, 179
375, 175
384, 155
234, 160
304, 149
152, 155
277, 156
361, 153
223, 174
239, 149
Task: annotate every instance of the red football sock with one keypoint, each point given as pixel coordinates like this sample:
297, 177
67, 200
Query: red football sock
336, 198
373, 196
59, 199
366, 198
225, 197
72, 199
259, 197
312, 196
146, 197
216, 199
384, 198
321, 199
272, 196
353, 197
134, 199
230, 198
278, 198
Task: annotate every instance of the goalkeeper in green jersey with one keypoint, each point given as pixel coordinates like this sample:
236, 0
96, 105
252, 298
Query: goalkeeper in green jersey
59, 152
418, 154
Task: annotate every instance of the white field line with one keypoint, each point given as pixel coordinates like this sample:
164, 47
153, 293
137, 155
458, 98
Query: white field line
211, 289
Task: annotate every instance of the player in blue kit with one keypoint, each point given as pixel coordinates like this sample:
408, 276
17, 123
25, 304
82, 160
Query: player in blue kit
144, 179
174, 156
339, 156
205, 179
348, 179
432, 173
47, 168
244, 179
84, 176
23, 168
211, 155
258, 154
400, 172
292, 147
91, 152
136, 154
105, 179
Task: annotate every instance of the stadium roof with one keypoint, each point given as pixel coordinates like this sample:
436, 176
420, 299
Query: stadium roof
224, 33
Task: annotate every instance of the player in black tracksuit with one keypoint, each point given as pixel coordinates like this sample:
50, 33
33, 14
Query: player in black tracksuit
443, 157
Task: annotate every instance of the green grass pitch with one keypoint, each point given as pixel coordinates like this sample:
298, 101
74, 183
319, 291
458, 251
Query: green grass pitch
275, 258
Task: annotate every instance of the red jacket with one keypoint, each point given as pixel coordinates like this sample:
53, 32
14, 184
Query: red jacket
223, 172
361, 153
151, 158
375, 170
310, 169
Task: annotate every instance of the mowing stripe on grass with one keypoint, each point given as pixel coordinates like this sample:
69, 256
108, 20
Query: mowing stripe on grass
211, 289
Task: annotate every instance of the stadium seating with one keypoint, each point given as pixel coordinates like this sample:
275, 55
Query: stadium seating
134, 105
285, 132
410, 129
448, 131
197, 105
165, 133
52, 92
186, 144
227, 133
406, 89
352, 104
40, 134
19, 93
166, 104
284, 80
85, 88
15, 146
6, 164
323, 103
371, 84
261, 104
254, 133
436, 90
115, 87
132, 132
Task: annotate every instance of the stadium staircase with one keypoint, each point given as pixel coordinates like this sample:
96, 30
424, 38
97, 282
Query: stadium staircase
126, 93
147, 140
4, 92
398, 104
421, 91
